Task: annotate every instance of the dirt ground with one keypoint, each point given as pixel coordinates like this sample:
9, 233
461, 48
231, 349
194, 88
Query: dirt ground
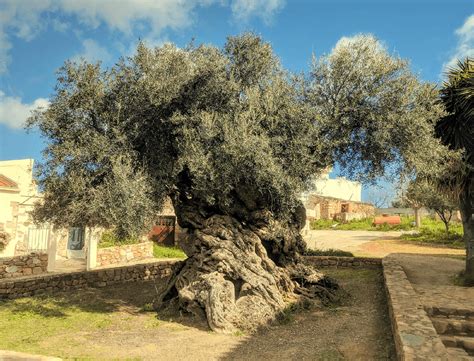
371, 243
110, 323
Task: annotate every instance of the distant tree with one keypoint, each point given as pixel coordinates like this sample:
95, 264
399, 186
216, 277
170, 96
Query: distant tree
427, 193
456, 129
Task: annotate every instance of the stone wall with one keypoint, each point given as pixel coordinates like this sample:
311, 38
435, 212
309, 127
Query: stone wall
342, 262
31, 264
123, 254
50, 283
413, 332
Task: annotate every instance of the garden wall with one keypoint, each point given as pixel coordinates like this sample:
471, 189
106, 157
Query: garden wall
343, 262
51, 283
123, 254
31, 264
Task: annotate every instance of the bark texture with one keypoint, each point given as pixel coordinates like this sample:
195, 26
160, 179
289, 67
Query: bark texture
240, 273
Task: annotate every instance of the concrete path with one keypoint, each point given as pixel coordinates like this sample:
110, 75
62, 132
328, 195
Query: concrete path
370, 243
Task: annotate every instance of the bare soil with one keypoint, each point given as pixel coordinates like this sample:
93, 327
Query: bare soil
111, 323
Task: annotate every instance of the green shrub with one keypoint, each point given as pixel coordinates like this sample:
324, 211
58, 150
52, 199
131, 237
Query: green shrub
328, 252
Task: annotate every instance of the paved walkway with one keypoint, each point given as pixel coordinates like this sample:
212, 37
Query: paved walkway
450, 307
433, 277
370, 243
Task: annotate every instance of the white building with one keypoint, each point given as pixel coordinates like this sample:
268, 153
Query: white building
17, 196
340, 188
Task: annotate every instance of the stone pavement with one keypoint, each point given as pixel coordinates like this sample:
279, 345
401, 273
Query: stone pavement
449, 307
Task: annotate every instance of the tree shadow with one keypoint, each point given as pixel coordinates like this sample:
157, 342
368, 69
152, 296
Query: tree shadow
130, 297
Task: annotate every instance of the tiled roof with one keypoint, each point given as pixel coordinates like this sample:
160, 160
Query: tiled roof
6, 182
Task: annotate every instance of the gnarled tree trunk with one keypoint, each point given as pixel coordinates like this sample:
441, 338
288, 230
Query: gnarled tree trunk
243, 267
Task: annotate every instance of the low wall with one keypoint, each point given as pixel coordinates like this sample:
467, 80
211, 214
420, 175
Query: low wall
343, 262
51, 283
30, 264
413, 332
123, 254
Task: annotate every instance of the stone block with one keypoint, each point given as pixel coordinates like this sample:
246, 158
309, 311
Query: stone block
11, 269
37, 270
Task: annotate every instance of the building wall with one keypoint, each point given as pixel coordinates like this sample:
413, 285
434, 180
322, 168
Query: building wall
15, 205
320, 207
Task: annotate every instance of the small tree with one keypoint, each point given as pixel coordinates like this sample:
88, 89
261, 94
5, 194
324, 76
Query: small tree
427, 194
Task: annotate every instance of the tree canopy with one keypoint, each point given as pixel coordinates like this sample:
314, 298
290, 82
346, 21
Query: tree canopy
221, 124
374, 113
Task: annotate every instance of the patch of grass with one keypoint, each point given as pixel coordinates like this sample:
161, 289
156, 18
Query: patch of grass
460, 280
436, 236
328, 252
147, 307
365, 224
287, 315
26, 322
167, 252
108, 239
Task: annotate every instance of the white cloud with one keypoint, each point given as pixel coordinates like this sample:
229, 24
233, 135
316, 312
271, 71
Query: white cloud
14, 113
25, 19
92, 52
265, 9
465, 45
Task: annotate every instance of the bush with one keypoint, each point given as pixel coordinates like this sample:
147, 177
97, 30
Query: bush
328, 252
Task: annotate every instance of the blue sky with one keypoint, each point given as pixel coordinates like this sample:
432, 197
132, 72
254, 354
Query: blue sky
37, 36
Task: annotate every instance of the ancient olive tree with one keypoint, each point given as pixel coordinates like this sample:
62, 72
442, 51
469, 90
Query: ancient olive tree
227, 135
456, 129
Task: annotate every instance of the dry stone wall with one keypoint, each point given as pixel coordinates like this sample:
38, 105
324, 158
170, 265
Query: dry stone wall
31, 264
414, 335
51, 283
123, 254
343, 262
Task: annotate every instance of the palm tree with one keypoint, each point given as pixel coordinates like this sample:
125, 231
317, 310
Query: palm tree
456, 129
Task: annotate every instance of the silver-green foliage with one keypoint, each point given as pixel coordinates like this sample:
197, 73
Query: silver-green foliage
223, 125
200, 120
375, 114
